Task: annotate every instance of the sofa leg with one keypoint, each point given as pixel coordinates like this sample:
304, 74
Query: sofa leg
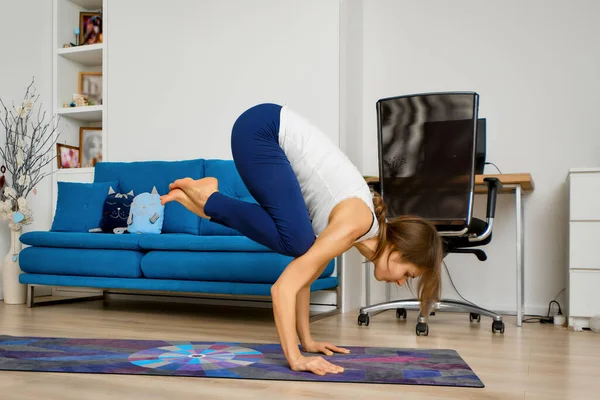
30, 295
32, 303
322, 315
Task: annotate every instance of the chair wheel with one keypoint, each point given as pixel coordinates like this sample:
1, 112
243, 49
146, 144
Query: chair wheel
498, 326
422, 329
401, 313
474, 316
363, 319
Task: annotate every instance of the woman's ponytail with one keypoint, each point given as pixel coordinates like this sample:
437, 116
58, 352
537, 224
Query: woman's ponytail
381, 215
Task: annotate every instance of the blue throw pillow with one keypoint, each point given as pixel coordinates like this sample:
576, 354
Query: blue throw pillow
79, 205
147, 213
115, 212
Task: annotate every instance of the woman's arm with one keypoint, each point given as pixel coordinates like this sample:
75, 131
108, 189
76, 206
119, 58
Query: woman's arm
339, 236
284, 294
303, 316
303, 327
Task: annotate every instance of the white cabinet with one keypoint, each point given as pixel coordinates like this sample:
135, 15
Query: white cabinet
583, 275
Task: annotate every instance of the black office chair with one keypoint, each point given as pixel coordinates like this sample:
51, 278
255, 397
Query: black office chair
427, 165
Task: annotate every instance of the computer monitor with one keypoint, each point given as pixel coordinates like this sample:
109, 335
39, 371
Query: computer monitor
480, 151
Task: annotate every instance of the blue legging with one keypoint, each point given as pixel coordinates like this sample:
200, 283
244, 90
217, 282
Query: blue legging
280, 220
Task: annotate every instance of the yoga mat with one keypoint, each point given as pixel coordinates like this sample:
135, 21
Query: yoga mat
437, 367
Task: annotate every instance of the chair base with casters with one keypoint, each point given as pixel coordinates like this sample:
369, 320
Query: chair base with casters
479, 234
422, 328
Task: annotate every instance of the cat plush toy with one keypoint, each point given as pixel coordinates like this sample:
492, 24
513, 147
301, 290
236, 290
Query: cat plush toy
116, 212
147, 213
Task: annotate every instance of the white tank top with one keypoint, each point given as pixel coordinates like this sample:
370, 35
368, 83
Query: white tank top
325, 173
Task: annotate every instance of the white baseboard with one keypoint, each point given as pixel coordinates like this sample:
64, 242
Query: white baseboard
579, 323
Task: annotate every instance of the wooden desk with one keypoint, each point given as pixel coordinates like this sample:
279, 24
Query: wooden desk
508, 181
516, 184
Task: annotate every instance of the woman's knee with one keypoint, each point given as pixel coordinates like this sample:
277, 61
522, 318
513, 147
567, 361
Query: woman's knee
301, 244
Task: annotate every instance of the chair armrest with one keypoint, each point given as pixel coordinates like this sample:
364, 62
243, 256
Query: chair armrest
479, 253
494, 185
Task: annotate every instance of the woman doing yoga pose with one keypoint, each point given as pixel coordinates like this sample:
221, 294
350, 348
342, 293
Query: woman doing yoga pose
313, 205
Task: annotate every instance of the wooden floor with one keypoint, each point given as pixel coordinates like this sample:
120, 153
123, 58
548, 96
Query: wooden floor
533, 362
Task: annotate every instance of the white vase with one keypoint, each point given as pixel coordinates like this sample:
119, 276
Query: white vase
13, 291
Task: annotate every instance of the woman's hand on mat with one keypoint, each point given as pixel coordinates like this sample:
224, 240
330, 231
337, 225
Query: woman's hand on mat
323, 347
317, 365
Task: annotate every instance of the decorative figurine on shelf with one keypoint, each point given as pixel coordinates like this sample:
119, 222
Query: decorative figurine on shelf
76, 31
80, 100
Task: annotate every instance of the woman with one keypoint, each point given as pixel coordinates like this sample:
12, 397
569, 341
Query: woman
314, 205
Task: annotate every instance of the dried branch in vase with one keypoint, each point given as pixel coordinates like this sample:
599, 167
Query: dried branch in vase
30, 140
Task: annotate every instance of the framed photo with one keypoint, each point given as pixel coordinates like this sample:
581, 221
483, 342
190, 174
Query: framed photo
67, 156
90, 146
90, 28
90, 85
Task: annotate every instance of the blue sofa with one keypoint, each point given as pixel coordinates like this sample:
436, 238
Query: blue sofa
191, 254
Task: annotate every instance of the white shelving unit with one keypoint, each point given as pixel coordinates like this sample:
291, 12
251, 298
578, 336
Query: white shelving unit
88, 4
68, 63
85, 114
89, 55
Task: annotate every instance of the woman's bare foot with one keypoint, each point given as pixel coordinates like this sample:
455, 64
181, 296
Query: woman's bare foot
192, 194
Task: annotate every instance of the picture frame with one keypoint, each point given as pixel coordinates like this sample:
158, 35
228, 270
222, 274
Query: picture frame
90, 146
90, 28
90, 85
67, 156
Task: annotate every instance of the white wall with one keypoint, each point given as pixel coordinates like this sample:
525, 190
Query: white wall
26, 43
180, 72
535, 65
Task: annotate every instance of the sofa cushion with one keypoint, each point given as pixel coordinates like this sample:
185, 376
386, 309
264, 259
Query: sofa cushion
79, 205
218, 266
79, 240
184, 242
78, 262
142, 176
230, 184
